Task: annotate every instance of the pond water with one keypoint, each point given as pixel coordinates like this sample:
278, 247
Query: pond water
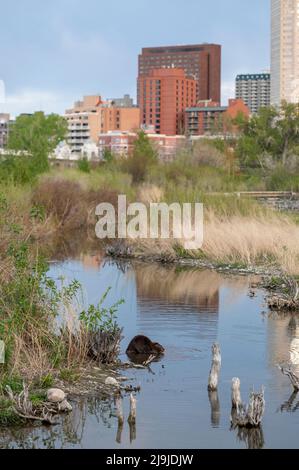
186, 310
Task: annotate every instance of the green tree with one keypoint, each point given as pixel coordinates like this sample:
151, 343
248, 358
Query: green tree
142, 158
271, 134
38, 135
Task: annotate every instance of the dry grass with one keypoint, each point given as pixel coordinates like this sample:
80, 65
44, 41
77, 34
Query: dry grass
69, 204
252, 241
239, 240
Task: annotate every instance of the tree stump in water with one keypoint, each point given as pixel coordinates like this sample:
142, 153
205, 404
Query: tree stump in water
250, 416
215, 370
236, 394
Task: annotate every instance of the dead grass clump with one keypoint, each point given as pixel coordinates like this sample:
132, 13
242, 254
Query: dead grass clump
69, 204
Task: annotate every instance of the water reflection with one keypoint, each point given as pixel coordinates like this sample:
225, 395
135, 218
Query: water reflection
252, 437
291, 405
185, 310
69, 431
215, 408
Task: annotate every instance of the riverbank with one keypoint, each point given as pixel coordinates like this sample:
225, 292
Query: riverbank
241, 237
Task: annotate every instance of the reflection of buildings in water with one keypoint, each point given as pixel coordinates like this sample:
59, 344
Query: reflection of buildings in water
197, 289
283, 339
91, 261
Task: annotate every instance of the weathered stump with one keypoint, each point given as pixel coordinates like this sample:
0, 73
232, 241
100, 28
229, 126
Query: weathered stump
236, 394
132, 418
215, 369
133, 409
250, 416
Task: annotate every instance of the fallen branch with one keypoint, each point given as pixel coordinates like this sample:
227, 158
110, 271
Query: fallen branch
288, 301
294, 379
23, 407
151, 359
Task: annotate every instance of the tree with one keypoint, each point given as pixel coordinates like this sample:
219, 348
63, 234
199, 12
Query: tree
272, 134
38, 135
143, 156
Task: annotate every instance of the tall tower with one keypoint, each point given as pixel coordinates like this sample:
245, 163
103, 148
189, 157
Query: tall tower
199, 61
284, 51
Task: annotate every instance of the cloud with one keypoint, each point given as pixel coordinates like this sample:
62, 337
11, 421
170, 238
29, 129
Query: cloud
29, 101
2, 92
228, 91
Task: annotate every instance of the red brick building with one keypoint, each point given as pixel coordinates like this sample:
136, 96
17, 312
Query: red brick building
200, 61
121, 144
208, 117
164, 94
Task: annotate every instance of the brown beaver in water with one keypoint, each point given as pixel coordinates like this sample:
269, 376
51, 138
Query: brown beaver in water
143, 345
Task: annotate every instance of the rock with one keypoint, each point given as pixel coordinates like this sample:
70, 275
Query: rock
65, 406
112, 382
55, 395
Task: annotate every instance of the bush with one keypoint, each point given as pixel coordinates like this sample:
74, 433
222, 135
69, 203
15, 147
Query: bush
142, 158
84, 165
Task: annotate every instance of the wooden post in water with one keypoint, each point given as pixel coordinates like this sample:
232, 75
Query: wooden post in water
132, 417
215, 370
119, 409
133, 409
120, 416
236, 394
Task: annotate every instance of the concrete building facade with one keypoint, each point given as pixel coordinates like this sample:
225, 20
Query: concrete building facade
210, 118
202, 62
164, 94
254, 90
92, 116
284, 51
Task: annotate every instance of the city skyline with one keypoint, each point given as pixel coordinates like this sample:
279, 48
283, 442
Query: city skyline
86, 50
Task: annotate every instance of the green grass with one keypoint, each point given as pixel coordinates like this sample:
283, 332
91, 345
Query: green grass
8, 417
46, 381
69, 375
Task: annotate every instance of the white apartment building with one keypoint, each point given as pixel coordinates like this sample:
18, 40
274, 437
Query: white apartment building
284, 51
254, 90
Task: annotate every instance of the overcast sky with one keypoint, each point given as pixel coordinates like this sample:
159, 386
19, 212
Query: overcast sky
55, 51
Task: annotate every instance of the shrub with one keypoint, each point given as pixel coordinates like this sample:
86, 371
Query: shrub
84, 165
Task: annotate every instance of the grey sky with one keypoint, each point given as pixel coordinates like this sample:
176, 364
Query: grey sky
52, 52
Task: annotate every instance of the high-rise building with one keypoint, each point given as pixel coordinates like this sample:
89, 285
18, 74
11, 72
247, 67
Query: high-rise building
254, 90
284, 51
164, 94
92, 116
201, 62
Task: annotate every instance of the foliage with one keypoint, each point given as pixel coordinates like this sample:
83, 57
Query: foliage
270, 138
143, 157
31, 140
84, 165
98, 318
108, 156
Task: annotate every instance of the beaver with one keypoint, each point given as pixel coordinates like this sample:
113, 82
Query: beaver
143, 345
